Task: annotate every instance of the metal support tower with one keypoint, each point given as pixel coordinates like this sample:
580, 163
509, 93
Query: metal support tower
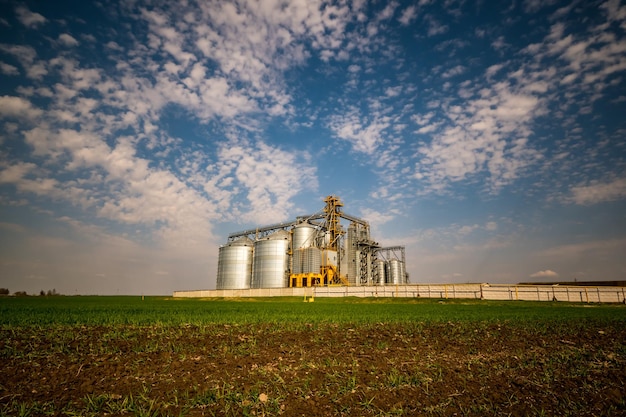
333, 213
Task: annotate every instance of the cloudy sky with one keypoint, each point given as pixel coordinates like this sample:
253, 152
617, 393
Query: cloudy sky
489, 138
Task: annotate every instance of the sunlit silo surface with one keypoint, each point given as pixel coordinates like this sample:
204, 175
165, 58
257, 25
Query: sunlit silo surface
313, 250
304, 236
305, 256
395, 272
379, 272
270, 266
234, 265
306, 260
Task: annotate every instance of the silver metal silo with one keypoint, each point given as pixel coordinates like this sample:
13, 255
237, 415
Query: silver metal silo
307, 260
303, 236
234, 265
270, 266
396, 273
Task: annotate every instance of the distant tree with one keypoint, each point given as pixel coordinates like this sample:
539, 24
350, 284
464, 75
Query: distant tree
20, 293
42, 293
53, 292
4, 291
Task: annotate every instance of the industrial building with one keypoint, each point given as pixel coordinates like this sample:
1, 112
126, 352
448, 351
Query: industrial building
314, 250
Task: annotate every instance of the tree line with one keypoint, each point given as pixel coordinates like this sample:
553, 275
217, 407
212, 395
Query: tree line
42, 293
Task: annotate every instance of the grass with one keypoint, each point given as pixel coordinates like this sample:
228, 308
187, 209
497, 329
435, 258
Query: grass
93, 310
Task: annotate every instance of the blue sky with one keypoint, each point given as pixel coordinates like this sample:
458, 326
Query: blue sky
486, 137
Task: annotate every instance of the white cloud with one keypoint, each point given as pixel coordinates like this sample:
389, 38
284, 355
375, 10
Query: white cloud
23, 176
388, 11
423, 119
15, 172
499, 44
453, 72
128, 191
532, 6
28, 18
67, 40
377, 218
487, 134
492, 70
17, 107
408, 15
365, 135
544, 274
599, 192
265, 176
24, 54
8, 69
435, 27
467, 229
393, 91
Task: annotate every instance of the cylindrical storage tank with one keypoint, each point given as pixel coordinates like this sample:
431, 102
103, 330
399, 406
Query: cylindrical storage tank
303, 236
380, 271
270, 265
395, 272
234, 265
306, 260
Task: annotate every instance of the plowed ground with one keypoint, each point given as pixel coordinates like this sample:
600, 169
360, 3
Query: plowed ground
409, 369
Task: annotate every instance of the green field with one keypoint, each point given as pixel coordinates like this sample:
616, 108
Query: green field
140, 311
160, 356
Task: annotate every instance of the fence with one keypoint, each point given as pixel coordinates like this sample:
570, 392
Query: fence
443, 291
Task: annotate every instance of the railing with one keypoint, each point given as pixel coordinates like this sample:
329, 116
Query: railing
568, 293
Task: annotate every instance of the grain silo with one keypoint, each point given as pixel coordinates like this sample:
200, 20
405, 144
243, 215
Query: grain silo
396, 273
313, 250
234, 265
270, 265
305, 256
379, 272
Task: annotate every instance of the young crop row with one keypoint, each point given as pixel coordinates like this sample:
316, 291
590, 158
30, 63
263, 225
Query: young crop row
37, 311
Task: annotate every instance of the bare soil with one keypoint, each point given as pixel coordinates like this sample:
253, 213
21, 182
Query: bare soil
419, 369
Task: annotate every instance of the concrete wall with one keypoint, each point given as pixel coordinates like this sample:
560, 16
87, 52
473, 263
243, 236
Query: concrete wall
442, 291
